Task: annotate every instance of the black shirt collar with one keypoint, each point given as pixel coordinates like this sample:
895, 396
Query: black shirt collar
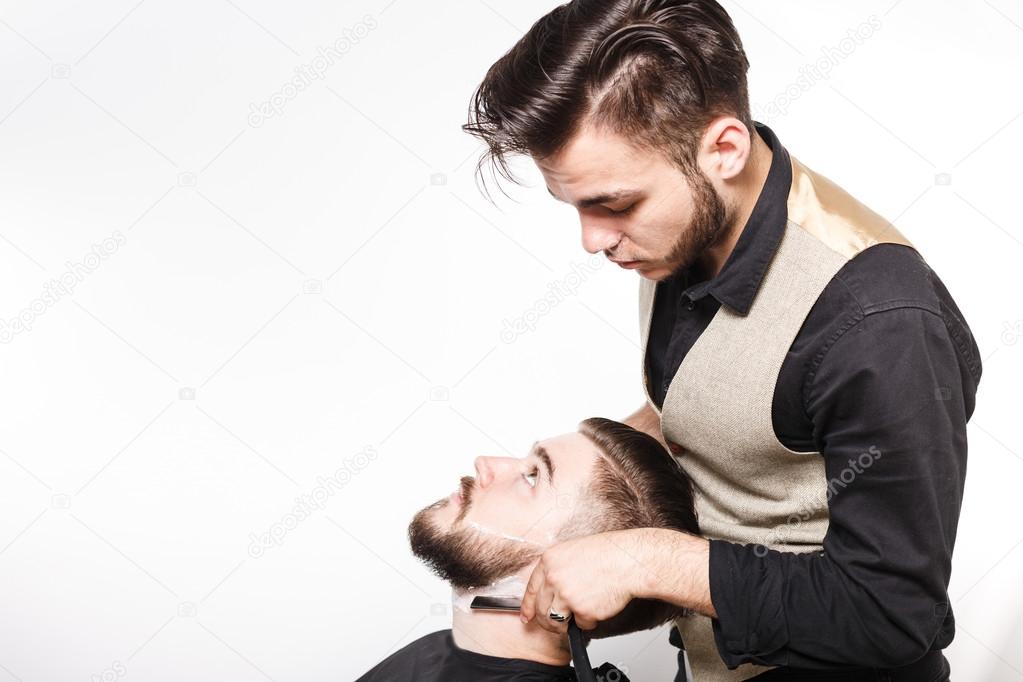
739, 279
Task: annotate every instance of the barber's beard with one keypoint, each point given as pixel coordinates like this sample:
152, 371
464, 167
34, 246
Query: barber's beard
465, 557
709, 225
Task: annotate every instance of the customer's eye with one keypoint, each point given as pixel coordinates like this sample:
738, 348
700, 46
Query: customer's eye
530, 478
623, 211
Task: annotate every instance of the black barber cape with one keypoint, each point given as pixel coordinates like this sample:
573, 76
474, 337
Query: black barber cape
436, 658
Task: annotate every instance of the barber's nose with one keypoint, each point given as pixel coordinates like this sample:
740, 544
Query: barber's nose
489, 469
599, 237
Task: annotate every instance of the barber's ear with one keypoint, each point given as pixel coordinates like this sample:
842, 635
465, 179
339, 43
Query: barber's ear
725, 148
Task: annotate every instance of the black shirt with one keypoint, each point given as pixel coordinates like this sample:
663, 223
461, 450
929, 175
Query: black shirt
436, 658
884, 360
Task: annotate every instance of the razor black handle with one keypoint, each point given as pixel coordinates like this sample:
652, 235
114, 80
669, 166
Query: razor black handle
580, 659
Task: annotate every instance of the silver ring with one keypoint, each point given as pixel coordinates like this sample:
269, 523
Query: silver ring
554, 615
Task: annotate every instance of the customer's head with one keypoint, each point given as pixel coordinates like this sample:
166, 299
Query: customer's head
636, 112
606, 476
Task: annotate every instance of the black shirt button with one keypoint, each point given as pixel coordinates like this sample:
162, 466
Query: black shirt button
690, 304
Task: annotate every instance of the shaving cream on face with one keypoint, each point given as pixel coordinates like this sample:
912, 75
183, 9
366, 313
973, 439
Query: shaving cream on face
507, 536
510, 586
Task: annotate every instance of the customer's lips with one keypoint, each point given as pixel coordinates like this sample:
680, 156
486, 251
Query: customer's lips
463, 493
628, 264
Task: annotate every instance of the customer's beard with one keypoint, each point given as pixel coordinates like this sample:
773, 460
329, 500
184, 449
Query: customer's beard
466, 557
709, 225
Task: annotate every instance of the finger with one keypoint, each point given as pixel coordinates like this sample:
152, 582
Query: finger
536, 580
585, 623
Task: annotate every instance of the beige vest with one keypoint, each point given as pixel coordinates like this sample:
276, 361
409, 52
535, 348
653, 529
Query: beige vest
749, 487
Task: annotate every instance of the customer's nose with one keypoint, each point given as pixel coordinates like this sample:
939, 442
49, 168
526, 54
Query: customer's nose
490, 469
483, 473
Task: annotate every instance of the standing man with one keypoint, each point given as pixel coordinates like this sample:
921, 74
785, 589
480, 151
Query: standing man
801, 360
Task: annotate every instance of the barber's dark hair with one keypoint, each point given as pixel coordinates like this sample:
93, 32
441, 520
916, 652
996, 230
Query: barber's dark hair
636, 484
655, 71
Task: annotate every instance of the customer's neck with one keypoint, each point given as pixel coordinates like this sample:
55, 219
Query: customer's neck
503, 634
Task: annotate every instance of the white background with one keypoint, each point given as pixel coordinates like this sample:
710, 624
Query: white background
293, 294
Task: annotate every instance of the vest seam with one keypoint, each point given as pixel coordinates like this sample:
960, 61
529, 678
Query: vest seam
820, 241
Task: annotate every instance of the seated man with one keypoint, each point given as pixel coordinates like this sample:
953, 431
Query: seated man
486, 538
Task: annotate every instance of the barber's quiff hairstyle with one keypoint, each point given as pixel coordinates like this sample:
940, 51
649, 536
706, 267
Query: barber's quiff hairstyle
655, 71
636, 483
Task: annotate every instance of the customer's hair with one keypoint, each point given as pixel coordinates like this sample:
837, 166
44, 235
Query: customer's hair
636, 483
656, 71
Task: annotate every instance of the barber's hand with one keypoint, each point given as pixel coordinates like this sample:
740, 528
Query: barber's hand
592, 578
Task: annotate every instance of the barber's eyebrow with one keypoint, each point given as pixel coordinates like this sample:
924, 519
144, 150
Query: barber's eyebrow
545, 459
607, 197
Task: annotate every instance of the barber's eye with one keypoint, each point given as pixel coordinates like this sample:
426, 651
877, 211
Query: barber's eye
530, 478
